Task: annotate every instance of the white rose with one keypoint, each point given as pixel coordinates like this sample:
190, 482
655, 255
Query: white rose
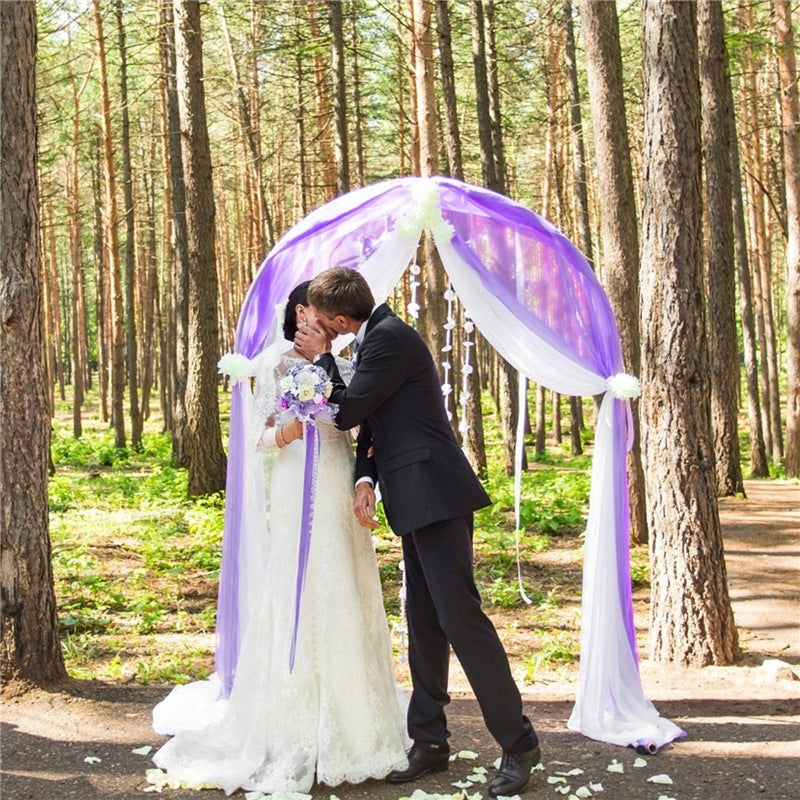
305, 393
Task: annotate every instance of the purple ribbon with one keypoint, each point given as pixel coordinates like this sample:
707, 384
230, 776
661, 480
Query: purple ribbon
311, 438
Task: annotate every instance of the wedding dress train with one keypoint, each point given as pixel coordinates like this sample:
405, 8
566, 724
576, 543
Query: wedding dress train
337, 717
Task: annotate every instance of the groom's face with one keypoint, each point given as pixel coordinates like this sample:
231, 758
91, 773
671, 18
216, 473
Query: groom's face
333, 326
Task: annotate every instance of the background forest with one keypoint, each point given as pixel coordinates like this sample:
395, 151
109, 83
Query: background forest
179, 141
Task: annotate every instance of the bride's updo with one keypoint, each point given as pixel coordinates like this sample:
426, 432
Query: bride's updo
298, 295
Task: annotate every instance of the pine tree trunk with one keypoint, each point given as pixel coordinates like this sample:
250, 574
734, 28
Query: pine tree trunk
111, 239
131, 344
618, 220
73, 201
30, 649
758, 452
55, 304
361, 157
180, 279
326, 159
103, 301
339, 98
490, 49
691, 617
447, 70
790, 118
721, 276
432, 311
204, 441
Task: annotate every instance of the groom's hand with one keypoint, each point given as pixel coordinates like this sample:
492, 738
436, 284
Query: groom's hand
365, 506
311, 340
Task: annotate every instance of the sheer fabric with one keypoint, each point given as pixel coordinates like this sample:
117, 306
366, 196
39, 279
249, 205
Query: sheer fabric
536, 300
338, 715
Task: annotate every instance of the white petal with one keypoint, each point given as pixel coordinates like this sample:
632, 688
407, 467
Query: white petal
665, 797
481, 770
556, 779
477, 777
496, 763
462, 784
563, 789
596, 787
142, 751
640, 762
662, 779
574, 771
469, 755
582, 792
616, 766
92, 760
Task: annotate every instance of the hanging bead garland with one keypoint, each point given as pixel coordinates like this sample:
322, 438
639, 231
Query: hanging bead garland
413, 306
449, 325
466, 370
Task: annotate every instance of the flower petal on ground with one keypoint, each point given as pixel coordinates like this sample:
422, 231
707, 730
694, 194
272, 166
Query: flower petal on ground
142, 751
596, 787
556, 779
583, 792
462, 784
640, 762
616, 766
662, 779
470, 755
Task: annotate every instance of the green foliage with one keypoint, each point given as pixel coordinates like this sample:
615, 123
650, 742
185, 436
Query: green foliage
559, 647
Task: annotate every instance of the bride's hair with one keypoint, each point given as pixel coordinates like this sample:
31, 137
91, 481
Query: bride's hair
298, 295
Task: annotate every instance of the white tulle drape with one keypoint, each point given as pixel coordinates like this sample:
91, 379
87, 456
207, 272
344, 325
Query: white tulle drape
610, 704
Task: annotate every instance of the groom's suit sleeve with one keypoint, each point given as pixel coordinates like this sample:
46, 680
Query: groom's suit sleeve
365, 464
379, 374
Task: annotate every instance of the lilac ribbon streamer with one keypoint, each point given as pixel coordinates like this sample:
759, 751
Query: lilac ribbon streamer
311, 437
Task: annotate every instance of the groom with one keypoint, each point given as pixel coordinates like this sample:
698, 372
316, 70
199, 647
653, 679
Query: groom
429, 492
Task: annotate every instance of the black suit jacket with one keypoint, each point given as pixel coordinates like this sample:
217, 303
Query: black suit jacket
396, 398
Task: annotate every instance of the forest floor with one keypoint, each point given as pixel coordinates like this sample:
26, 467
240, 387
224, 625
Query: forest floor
742, 724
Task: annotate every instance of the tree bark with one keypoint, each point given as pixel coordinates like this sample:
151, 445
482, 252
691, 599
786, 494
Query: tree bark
131, 344
691, 617
618, 220
790, 119
339, 98
361, 157
447, 71
759, 468
29, 642
204, 441
180, 278
432, 311
111, 239
721, 274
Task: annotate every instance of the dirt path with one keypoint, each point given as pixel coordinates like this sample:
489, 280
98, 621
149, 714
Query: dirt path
743, 726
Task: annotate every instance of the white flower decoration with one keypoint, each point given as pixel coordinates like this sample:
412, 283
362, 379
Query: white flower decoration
624, 386
236, 366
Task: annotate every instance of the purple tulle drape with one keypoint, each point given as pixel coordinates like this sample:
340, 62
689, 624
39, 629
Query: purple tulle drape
542, 280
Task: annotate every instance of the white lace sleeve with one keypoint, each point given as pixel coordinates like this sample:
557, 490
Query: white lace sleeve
346, 369
265, 405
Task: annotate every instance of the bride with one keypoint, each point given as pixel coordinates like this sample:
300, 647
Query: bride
336, 715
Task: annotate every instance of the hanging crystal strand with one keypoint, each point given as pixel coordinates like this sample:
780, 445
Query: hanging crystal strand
466, 371
402, 627
449, 325
413, 306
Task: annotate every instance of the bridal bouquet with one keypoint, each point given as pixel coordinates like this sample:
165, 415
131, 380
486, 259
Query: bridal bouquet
305, 390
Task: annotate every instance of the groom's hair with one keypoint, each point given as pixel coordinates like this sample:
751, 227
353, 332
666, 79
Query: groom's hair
340, 290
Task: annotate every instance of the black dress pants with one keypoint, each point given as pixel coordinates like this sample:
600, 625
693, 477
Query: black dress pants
444, 608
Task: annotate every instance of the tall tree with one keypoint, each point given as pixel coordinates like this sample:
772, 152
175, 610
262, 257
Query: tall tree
29, 645
691, 617
177, 193
131, 344
721, 272
204, 440
432, 311
790, 118
473, 437
759, 468
111, 240
618, 220
339, 97
487, 96
361, 158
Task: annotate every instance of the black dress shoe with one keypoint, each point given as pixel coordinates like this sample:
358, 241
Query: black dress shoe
514, 772
423, 757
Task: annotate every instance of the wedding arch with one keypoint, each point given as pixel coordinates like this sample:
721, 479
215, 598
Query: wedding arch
536, 300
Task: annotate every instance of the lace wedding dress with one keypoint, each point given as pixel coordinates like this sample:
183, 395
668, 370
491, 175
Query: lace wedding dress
337, 717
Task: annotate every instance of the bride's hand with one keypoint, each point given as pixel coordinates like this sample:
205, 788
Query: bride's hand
292, 430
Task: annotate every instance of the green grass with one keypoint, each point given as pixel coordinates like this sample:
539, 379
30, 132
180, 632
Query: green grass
137, 564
